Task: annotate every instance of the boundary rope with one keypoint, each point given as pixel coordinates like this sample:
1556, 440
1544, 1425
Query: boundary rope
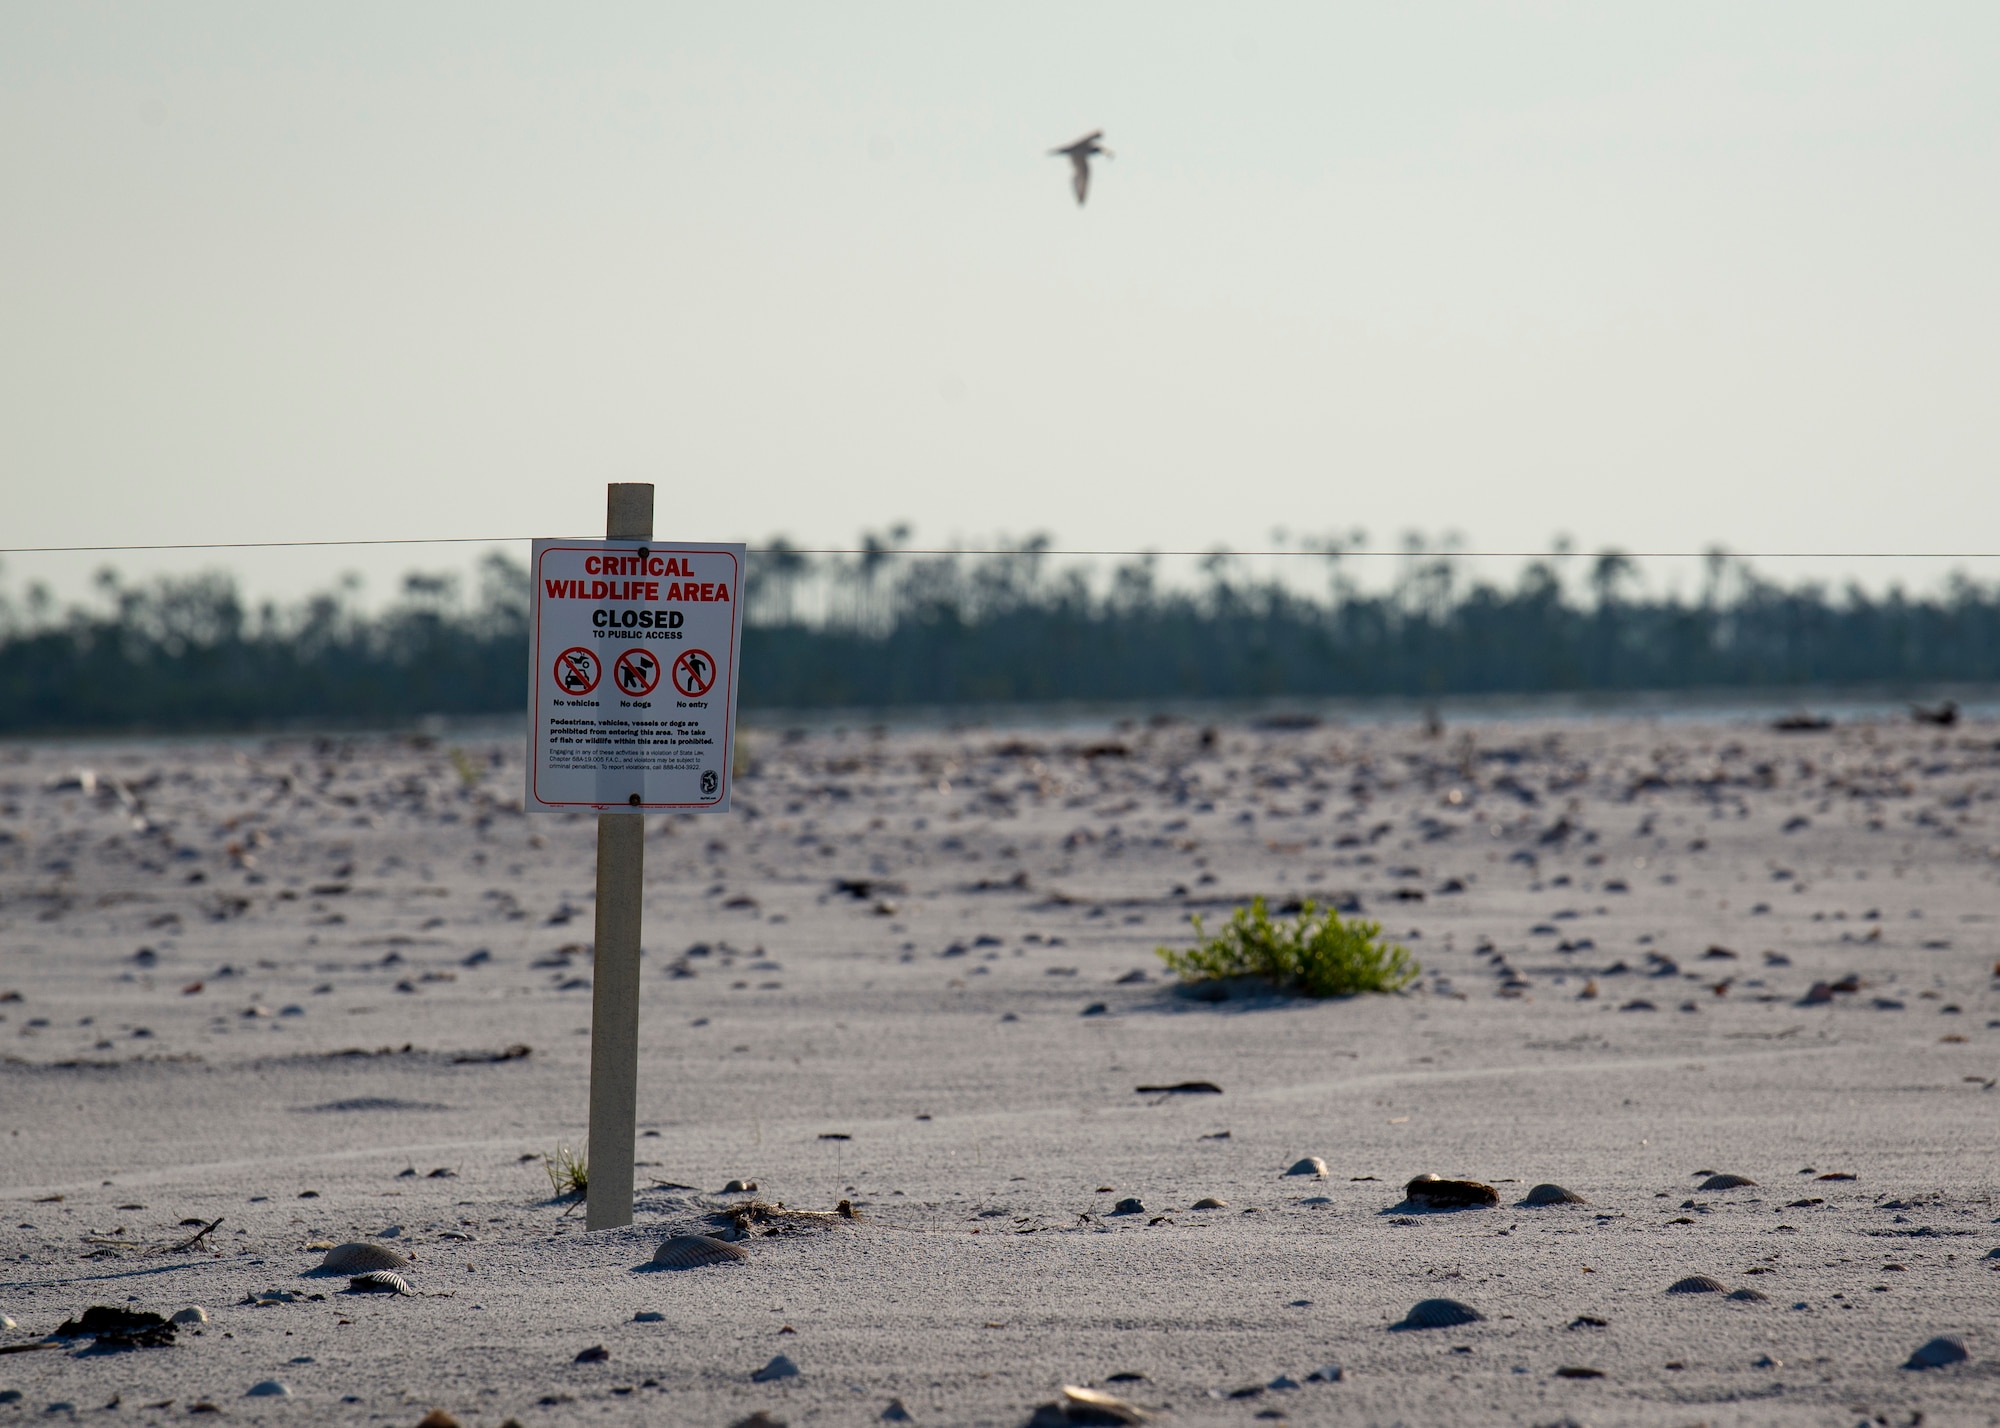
1004, 550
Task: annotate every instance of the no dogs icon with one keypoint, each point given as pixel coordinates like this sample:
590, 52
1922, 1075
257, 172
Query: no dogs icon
694, 673
637, 672
577, 671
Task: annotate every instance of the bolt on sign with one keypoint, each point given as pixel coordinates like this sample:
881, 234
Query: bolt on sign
633, 684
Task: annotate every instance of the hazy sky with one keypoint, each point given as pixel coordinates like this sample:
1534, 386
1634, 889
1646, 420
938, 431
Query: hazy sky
1656, 275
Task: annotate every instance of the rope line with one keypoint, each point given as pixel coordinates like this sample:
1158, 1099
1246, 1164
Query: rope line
1004, 550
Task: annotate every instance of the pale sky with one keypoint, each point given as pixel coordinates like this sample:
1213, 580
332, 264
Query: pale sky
1654, 275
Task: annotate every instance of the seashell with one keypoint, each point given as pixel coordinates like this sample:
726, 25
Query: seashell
1209, 1202
1553, 1195
1944, 1349
595, 1354
269, 1388
739, 1187
193, 1314
1725, 1182
1331, 1373
1449, 1194
437, 1418
759, 1419
649, 1316
895, 1412
1749, 1296
1579, 1372
1697, 1284
693, 1251
1312, 1165
779, 1367
1092, 1405
1439, 1314
360, 1257
378, 1281
1130, 1205
1992, 1254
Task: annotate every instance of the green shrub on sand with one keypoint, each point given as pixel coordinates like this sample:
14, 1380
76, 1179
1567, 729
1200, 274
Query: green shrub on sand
1316, 954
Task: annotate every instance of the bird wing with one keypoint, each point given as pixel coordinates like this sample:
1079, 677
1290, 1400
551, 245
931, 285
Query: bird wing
1081, 145
1080, 176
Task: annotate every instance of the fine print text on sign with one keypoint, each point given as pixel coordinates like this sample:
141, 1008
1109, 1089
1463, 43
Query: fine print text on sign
633, 676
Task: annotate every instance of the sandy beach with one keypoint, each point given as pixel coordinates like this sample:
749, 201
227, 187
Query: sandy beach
311, 992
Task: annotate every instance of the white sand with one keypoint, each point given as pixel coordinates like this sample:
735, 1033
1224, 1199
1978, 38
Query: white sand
984, 1112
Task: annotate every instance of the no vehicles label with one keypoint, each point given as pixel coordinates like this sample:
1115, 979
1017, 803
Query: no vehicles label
633, 664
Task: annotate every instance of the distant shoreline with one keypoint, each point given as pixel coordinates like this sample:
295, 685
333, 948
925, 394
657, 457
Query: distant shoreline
1841, 703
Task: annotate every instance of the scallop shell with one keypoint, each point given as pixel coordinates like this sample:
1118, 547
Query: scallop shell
693, 1251
1725, 1182
1312, 1165
1697, 1284
360, 1257
1553, 1195
1209, 1202
193, 1314
1749, 1296
1439, 1314
1944, 1349
378, 1281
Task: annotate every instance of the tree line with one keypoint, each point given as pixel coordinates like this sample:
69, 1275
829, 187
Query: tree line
886, 628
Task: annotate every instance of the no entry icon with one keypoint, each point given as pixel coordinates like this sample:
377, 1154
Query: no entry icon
637, 672
694, 673
578, 670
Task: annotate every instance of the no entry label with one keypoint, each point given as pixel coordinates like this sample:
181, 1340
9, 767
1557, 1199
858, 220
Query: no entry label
632, 682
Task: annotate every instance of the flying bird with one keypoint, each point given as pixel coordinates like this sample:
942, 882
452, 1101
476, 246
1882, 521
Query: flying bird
1079, 161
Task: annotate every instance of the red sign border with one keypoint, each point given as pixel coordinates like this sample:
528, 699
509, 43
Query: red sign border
735, 647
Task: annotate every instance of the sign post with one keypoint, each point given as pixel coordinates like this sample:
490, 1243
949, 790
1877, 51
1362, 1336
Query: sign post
633, 655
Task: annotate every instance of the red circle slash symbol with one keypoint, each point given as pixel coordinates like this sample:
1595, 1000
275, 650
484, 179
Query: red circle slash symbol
577, 671
694, 673
637, 672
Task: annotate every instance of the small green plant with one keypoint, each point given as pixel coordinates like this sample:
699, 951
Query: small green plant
569, 1173
1316, 953
469, 773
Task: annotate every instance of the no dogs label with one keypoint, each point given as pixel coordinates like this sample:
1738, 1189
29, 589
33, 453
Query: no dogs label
633, 653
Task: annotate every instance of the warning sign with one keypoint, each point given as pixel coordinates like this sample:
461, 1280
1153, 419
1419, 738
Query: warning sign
613, 619
577, 671
694, 673
638, 673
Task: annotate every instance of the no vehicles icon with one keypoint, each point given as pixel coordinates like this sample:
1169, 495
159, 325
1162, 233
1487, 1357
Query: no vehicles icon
637, 672
578, 670
694, 673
